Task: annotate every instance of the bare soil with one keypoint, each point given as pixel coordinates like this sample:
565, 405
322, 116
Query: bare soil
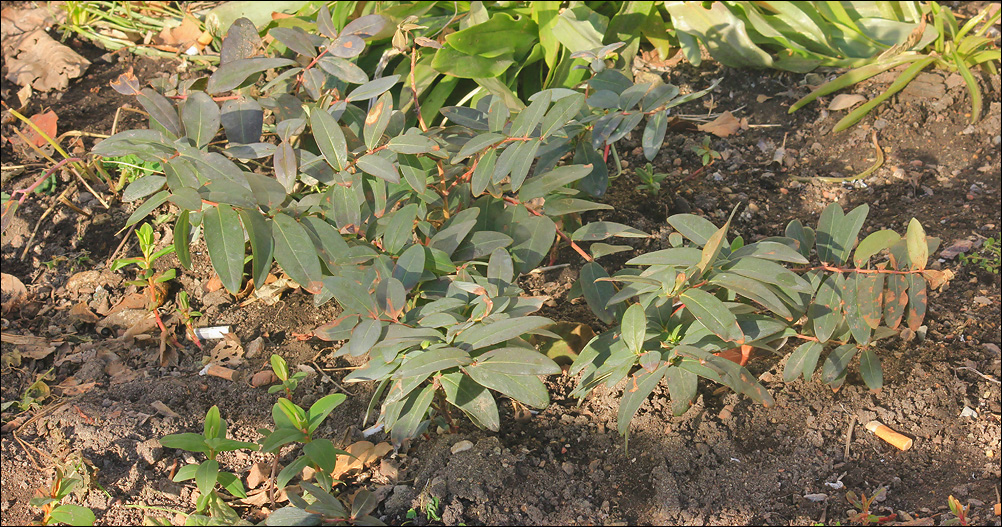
726, 461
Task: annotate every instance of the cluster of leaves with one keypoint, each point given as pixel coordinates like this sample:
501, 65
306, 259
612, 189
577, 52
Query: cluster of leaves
419, 234
51, 502
650, 181
293, 424
149, 278
705, 297
989, 257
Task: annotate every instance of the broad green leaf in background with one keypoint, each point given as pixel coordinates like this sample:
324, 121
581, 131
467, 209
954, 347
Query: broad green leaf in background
224, 237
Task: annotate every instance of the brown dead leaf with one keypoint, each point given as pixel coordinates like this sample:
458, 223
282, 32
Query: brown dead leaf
844, 101
81, 313
163, 409
14, 21
24, 95
44, 63
228, 352
762, 98
70, 387
12, 292
258, 474
213, 284
260, 497
181, 37
46, 122
723, 126
30, 346
365, 454
133, 301
126, 83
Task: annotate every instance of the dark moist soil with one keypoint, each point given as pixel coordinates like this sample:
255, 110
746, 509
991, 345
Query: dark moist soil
726, 461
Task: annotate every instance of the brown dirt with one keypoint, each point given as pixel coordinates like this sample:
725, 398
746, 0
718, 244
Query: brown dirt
727, 461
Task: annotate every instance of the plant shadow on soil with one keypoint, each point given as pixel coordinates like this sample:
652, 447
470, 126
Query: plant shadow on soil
726, 461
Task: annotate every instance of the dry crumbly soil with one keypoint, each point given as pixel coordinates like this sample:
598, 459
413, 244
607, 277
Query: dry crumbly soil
726, 461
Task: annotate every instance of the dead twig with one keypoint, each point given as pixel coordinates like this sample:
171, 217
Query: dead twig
982, 375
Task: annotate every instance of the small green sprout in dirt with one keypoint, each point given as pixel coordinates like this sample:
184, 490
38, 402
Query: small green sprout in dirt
281, 369
33, 395
149, 277
705, 152
130, 168
649, 180
295, 424
50, 501
960, 512
430, 510
318, 506
188, 316
990, 256
863, 504
206, 474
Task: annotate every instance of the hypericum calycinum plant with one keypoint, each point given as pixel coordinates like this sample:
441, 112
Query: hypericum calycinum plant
420, 233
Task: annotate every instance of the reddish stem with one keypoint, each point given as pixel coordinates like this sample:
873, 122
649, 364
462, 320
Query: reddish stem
27, 191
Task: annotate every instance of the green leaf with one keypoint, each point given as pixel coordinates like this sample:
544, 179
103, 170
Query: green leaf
638, 387
712, 249
768, 272
752, 290
563, 110
541, 185
161, 111
187, 441
232, 484
242, 119
695, 228
286, 166
472, 398
295, 253
205, 476
365, 335
147, 207
679, 256
182, 239
803, 235
262, 244
224, 237
803, 360
527, 120
527, 389
654, 134
524, 155
234, 73
201, 118
267, 191
412, 144
412, 414
870, 297
322, 408
71, 514
873, 244
918, 245
828, 223
344, 70
712, 314
895, 300
330, 139
769, 250
634, 328
288, 516
517, 361
846, 231
376, 121
682, 386
917, 300
410, 266
482, 335
826, 311
281, 436
185, 473
380, 167
533, 236
836, 363
601, 230
373, 88
903, 79
483, 172
291, 470
432, 361
186, 198
869, 368
853, 316
597, 293
295, 39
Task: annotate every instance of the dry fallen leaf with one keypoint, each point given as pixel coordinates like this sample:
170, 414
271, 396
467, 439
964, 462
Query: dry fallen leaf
258, 474
181, 37
30, 346
44, 63
365, 453
229, 352
163, 409
12, 292
46, 122
81, 313
762, 98
723, 126
70, 387
213, 284
957, 247
126, 83
845, 101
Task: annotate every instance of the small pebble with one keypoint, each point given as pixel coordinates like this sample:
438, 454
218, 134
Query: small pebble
461, 446
752, 207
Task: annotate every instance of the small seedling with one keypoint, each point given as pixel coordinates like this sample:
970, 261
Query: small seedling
131, 167
431, 510
53, 511
990, 256
863, 504
295, 424
705, 152
149, 277
188, 316
281, 369
959, 511
650, 181
206, 474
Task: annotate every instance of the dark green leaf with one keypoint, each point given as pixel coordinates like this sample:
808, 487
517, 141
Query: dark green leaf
182, 239
410, 266
242, 119
364, 336
268, 192
768, 250
412, 413
365, 26
234, 73
869, 368
752, 290
527, 120
682, 386
161, 111
411, 144
431, 361
372, 88
601, 230
873, 244
803, 360
289, 516
344, 70
262, 244
295, 39
205, 476
482, 335
826, 311
634, 328
524, 155
846, 232
598, 293
696, 228
517, 361
224, 237
679, 256
376, 120
380, 167
143, 187
712, 314
870, 297
483, 172
895, 300
147, 207
917, 299
527, 389
638, 388
654, 134
295, 253
562, 111
187, 199
201, 118
828, 225
836, 363
330, 139
541, 185
472, 398
286, 165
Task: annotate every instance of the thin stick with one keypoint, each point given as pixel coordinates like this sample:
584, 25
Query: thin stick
983, 376
540, 270
332, 380
120, 244
89, 189
848, 437
66, 201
